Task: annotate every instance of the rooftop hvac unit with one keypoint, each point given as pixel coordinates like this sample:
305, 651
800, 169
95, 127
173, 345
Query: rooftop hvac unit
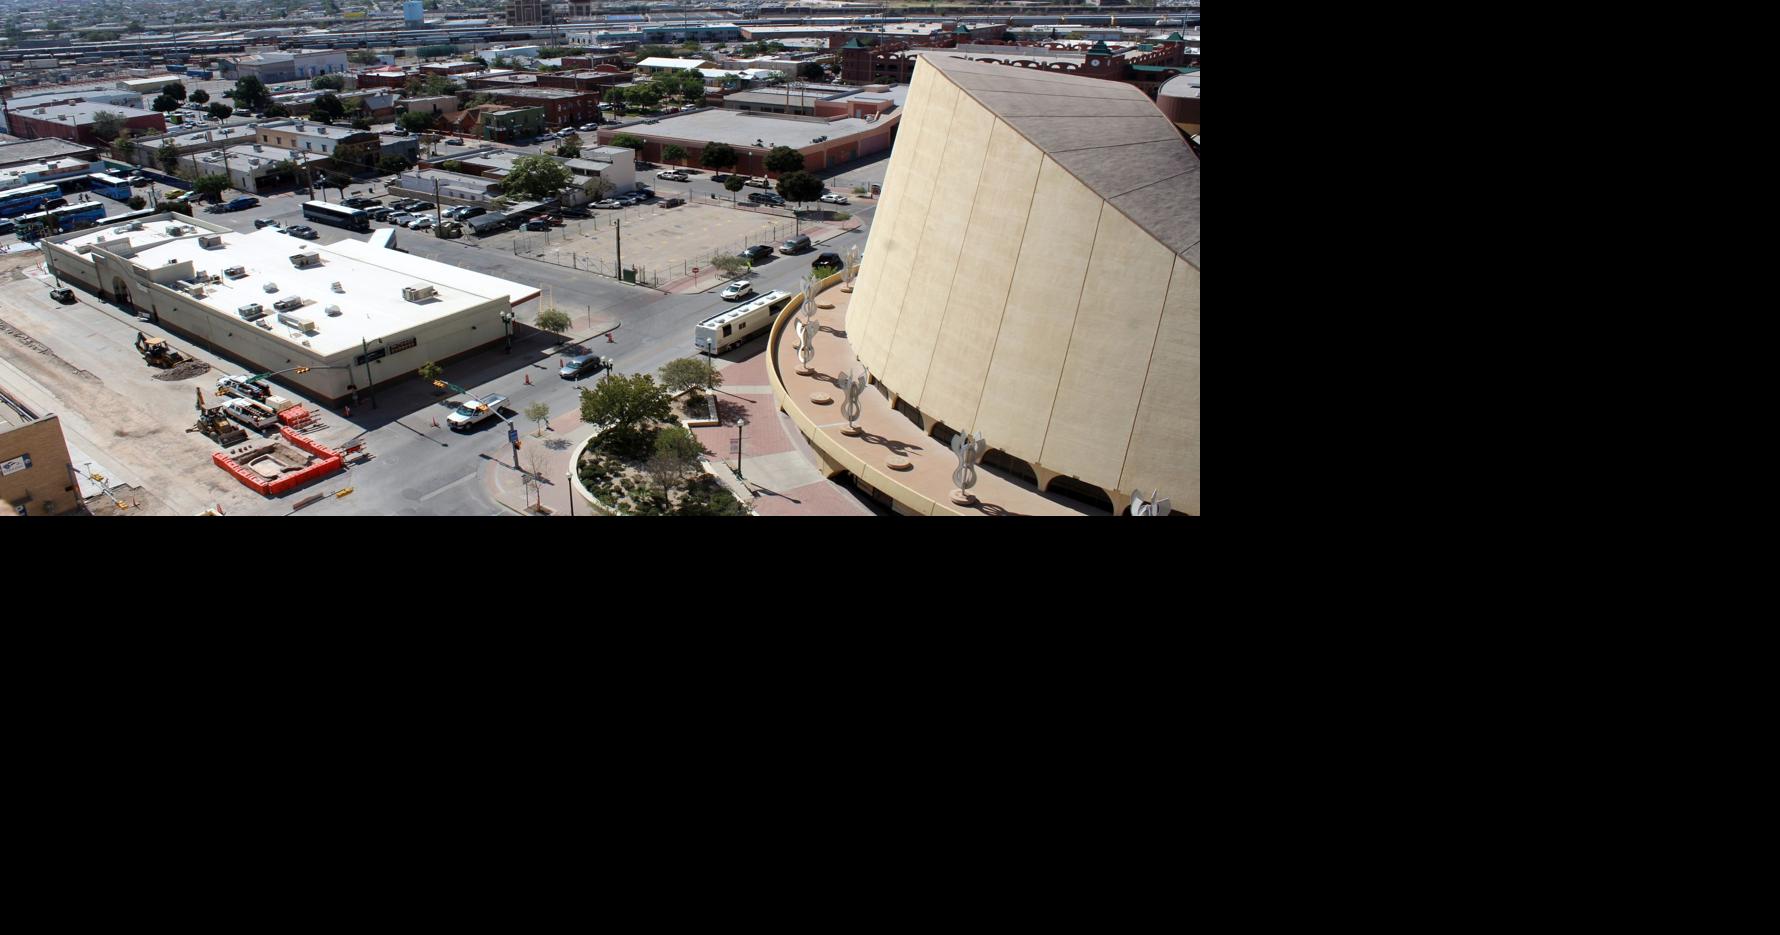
298, 322
270, 287
418, 293
338, 288
263, 323
210, 240
175, 229
305, 260
235, 272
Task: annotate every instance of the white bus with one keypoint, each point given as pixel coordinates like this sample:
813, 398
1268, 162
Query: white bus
338, 215
730, 327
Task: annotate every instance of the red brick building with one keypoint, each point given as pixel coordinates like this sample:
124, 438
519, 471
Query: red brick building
382, 79
562, 106
75, 121
582, 80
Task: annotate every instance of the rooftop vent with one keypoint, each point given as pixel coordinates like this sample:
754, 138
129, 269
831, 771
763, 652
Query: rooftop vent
305, 260
235, 272
175, 229
333, 310
270, 287
418, 293
338, 288
210, 240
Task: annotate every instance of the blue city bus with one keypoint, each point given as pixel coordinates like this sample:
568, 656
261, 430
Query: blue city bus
110, 186
61, 220
338, 215
26, 198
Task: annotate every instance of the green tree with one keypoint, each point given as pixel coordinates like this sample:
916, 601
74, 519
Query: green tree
136, 202
176, 91
811, 71
734, 183
250, 94
629, 141
622, 404
673, 153
800, 187
552, 320
718, 156
219, 110
783, 159
276, 110
616, 98
451, 165
337, 180
362, 57
645, 97
417, 121
536, 177
429, 372
329, 83
654, 51
211, 186
678, 446
597, 188
123, 147
569, 148
163, 103
134, 26
327, 108
200, 96
169, 156
685, 373
728, 263
539, 413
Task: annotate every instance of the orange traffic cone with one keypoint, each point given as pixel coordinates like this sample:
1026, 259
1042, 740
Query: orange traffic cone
528, 379
435, 421
609, 338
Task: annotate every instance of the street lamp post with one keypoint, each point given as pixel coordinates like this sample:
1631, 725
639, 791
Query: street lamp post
507, 323
739, 422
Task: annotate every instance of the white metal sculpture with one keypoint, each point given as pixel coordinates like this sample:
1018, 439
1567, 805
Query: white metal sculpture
1150, 507
808, 309
969, 449
806, 343
852, 271
852, 386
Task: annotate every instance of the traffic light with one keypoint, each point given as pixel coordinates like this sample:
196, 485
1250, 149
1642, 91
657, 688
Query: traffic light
439, 383
302, 370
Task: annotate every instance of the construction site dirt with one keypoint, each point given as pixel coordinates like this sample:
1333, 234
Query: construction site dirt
80, 362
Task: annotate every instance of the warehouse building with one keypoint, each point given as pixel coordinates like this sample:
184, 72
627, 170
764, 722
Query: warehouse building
358, 315
839, 130
75, 121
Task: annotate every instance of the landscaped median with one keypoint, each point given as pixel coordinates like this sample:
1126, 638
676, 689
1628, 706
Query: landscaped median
643, 460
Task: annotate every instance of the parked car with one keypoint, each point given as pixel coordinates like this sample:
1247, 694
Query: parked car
454, 141
765, 198
673, 202
573, 368
303, 231
832, 260
756, 253
361, 202
420, 223
55, 203
400, 218
740, 289
266, 222
833, 198
140, 181
555, 220
470, 211
608, 203
757, 182
64, 296
450, 229
380, 213
674, 175
797, 244
590, 127
537, 224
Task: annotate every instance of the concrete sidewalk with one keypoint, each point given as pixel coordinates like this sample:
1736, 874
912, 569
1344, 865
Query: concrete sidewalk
549, 456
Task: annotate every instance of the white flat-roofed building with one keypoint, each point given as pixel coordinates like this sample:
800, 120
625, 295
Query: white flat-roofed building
53, 170
252, 166
194, 276
651, 65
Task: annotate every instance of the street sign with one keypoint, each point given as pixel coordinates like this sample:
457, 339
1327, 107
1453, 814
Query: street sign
512, 435
735, 446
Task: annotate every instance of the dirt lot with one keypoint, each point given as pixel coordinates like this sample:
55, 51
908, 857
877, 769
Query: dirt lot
664, 243
80, 362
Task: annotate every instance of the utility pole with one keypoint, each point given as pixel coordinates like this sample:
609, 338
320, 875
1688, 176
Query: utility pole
437, 218
618, 231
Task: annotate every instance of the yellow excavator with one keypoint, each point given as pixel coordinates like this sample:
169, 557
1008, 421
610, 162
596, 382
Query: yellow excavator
157, 352
216, 426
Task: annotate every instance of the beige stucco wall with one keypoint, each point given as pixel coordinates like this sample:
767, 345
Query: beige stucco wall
1005, 296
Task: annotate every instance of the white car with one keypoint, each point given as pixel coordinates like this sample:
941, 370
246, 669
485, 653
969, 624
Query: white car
420, 224
740, 289
673, 176
834, 198
590, 128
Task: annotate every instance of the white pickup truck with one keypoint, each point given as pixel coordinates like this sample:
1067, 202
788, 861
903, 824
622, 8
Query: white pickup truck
474, 412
